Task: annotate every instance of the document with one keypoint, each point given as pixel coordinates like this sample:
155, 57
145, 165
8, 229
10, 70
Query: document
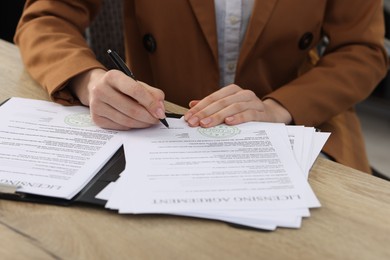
51, 150
306, 143
245, 174
253, 174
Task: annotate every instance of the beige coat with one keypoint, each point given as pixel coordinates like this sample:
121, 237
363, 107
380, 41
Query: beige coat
172, 44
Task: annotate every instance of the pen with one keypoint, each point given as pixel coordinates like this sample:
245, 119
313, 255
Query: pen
121, 65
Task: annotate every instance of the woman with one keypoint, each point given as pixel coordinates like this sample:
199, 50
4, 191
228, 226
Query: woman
231, 61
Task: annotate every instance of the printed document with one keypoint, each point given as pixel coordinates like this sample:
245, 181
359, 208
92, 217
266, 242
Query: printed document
252, 174
49, 149
245, 174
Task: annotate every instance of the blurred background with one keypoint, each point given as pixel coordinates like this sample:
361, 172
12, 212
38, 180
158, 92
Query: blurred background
373, 112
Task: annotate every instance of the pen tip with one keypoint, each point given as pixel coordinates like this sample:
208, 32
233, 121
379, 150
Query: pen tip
164, 121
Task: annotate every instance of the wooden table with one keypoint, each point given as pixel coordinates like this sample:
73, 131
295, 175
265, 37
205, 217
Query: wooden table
353, 222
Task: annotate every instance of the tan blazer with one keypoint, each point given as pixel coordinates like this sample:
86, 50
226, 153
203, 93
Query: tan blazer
172, 45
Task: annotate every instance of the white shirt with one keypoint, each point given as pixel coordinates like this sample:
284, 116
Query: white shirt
232, 17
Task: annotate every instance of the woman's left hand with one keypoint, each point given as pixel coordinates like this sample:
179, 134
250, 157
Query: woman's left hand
233, 105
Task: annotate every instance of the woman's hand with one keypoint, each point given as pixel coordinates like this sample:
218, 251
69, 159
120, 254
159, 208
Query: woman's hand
233, 105
116, 101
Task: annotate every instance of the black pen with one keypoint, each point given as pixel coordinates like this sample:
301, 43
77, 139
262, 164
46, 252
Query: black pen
121, 65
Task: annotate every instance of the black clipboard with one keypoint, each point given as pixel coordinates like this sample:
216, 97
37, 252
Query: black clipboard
108, 173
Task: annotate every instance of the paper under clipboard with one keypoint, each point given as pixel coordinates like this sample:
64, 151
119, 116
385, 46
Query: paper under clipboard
37, 145
109, 173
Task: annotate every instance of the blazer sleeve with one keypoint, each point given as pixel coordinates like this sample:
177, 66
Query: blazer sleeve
50, 36
354, 63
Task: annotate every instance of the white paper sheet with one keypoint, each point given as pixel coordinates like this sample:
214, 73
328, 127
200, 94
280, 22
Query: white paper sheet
49, 149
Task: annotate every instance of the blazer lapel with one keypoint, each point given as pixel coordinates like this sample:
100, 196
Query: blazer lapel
205, 14
204, 11
260, 15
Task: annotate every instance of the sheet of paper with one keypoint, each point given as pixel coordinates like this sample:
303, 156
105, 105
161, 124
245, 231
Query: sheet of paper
295, 135
260, 219
319, 141
307, 144
49, 149
183, 169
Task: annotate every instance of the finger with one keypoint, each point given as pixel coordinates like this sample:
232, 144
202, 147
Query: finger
109, 102
246, 116
106, 116
156, 105
267, 111
220, 116
193, 103
147, 96
192, 115
216, 96
216, 112
189, 113
107, 123
237, 113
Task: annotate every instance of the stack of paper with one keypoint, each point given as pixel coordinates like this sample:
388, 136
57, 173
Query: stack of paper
253, 174
51, 150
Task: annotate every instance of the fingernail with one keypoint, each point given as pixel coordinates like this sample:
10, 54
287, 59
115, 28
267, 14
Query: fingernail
187, 116
193, 120
205, 121
229, 119
160, 113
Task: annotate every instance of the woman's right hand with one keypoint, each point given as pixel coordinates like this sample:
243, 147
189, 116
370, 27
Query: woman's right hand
116, 101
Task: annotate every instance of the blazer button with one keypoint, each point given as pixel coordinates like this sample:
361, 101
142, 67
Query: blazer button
305, 41
149, 43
